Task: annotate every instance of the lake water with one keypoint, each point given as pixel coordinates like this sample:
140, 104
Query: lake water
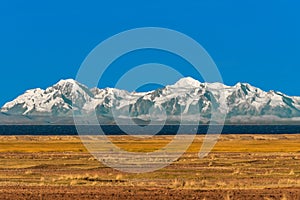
165, 130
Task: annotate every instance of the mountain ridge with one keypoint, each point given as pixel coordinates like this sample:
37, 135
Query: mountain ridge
186, 98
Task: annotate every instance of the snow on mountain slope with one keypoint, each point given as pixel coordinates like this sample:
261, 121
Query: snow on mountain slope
55, 100
187, 97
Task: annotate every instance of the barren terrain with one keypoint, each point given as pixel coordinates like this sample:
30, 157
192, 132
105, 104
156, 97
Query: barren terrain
239, 167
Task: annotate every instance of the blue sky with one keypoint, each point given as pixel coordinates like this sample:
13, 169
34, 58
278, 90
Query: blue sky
250, 41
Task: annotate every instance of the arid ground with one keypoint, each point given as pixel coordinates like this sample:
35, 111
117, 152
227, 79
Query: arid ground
239, 167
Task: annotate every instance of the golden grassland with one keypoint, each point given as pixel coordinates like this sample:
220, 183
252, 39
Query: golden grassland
226, 143
236, 161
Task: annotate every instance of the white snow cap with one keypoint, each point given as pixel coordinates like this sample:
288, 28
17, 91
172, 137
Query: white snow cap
187, 82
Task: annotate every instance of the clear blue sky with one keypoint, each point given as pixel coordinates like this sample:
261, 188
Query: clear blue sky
250, 41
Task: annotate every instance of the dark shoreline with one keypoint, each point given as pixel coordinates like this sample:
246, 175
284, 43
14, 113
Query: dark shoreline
165, 130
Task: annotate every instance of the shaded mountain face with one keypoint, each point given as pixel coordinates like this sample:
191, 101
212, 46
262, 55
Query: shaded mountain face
186, 98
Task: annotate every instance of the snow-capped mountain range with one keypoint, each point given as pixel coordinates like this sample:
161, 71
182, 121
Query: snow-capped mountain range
187, 97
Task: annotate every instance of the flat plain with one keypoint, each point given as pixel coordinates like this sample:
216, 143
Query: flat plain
239, 167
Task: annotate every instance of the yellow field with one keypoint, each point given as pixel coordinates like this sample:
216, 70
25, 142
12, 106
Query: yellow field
226, 143
237, 162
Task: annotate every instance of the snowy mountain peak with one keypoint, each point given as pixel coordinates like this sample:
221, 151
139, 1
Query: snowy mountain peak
69, 83
55, 100
187, 82
240, 84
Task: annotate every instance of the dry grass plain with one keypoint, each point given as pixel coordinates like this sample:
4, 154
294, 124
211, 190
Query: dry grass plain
239, 167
